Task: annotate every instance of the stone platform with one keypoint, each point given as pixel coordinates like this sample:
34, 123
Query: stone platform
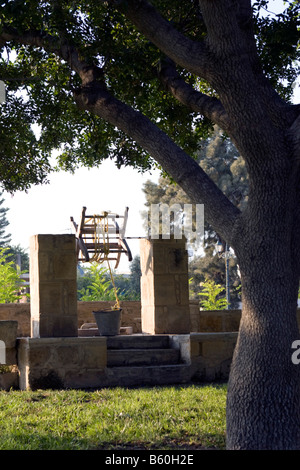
123, 360
59, 356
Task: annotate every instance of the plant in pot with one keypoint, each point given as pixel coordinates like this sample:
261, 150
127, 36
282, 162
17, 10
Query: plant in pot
108, 320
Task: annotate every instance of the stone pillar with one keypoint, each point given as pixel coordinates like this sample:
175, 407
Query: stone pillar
164, 286
53, 286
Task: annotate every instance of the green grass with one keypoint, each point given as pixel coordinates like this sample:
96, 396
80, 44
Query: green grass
176, 417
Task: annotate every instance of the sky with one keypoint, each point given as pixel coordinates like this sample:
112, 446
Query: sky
47, 209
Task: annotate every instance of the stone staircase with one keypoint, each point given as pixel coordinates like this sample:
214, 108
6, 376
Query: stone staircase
144, 360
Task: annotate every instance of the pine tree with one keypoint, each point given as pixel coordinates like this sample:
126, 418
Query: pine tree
135, 278
5, 239
222, 162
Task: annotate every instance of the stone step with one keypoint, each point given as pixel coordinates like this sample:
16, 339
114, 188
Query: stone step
124, 330
138, 341
133, 376
139, 357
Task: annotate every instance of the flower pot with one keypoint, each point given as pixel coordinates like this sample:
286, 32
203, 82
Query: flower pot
108, 322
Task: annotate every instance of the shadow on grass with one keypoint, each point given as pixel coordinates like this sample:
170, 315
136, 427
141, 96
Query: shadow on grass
19, 433
33, 441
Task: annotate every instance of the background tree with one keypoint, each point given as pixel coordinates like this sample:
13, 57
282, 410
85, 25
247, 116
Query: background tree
135, 279
211, 296
17, 253
14, 253
222, 162
5, 238
10, 280
97, 287
143, 83
212, 268
94, 283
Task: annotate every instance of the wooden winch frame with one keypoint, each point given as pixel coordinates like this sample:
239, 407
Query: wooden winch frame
100, 237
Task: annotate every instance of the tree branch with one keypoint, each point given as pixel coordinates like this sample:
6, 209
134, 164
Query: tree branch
219, 211
62, 48
191, 55
210, 107
231, 38
95, 98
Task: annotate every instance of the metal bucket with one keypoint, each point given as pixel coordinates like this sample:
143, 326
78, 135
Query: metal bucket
108, 322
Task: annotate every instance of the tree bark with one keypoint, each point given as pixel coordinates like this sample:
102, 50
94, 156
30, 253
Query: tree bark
263, 402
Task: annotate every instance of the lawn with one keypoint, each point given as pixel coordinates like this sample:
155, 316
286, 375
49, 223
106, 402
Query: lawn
175, 417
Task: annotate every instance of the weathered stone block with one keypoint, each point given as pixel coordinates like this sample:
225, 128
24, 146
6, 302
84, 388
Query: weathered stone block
61, 362
217, 349
211, 322
53, 286
164, 287
8, 339
196, 349
9, 380
219, 320
8, 332
211, 355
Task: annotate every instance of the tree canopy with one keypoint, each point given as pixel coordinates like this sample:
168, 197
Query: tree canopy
46, 46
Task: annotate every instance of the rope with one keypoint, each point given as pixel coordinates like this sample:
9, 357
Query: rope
101, 255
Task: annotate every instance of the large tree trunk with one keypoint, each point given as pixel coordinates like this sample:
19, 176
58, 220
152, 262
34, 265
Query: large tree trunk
263, 405
263, 408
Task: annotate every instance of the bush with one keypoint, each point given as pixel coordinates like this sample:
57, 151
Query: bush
10, 280
211, 292
98, 287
